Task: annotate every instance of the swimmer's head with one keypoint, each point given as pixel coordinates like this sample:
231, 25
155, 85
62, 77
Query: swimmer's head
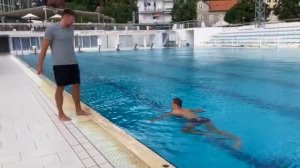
177, 102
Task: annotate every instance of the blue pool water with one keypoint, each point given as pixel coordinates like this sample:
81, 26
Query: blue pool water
252, 93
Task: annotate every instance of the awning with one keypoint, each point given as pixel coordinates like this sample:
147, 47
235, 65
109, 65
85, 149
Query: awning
56, 16
30, 16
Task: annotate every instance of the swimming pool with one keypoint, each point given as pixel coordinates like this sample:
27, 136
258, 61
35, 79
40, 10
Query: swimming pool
252, 93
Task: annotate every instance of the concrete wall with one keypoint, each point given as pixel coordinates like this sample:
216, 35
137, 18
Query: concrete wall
110, 41
168, 5
126, 41
185, 36
157, 40
182, 38
190, 37
148, 39
197, 36
204, 34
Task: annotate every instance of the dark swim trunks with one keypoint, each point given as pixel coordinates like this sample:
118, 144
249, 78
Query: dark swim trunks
199, 120
66, 74
192, 123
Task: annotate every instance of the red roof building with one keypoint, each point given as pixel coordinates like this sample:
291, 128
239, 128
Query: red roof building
212, 12
221, 5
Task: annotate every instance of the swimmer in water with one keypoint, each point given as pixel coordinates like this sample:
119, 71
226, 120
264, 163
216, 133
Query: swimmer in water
193, 121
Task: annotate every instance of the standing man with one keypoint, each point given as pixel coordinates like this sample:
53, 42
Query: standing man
60, 38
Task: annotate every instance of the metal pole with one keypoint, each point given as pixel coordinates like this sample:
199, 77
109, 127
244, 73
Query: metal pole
45, 14
260, 43
90, 41
260, 13
145, 42
30, 43
20, 5
21, 45
8, 6
39, 43
107, 41
11, 6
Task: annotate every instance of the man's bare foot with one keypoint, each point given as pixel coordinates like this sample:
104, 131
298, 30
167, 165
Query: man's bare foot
63, 117
237, 144
81, 112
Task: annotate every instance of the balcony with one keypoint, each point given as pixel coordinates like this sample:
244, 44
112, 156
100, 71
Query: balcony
150, 10
168, 10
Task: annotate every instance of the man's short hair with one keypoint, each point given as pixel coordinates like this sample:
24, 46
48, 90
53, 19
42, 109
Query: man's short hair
68, 12
177, 101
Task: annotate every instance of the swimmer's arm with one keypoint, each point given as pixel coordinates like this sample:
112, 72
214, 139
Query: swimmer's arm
161, 117
197, 110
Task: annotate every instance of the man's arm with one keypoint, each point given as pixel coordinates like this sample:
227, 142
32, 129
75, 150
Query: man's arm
161, 117
197, 110
45, 45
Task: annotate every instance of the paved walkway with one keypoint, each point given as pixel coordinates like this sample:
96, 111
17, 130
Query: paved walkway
31, 136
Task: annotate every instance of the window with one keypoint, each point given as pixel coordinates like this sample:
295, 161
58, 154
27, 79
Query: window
200, 5
201, 17
220, 17
211, 17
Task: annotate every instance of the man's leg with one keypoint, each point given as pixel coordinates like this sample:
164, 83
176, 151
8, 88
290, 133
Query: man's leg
212, 128
190, 129
59, 103
76, 99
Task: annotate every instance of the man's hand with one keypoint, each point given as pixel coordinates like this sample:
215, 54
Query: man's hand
40, 70
160, 117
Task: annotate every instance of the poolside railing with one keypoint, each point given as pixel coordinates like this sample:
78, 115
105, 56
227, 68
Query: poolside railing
126, 26
86, 26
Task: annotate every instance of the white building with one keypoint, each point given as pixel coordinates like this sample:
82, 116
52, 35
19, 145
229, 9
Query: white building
155, 11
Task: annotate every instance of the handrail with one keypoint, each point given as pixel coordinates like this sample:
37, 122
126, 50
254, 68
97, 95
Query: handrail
125, 26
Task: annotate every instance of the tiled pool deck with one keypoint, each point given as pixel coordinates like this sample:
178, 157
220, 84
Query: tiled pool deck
31, 135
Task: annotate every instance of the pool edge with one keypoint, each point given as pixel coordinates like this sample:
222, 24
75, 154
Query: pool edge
145, 154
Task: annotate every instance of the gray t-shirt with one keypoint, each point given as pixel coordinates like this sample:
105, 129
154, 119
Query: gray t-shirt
61, 44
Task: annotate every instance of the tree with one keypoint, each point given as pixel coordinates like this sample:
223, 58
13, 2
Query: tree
288, 9
184, 10
120, 10
76, 4
243, 12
